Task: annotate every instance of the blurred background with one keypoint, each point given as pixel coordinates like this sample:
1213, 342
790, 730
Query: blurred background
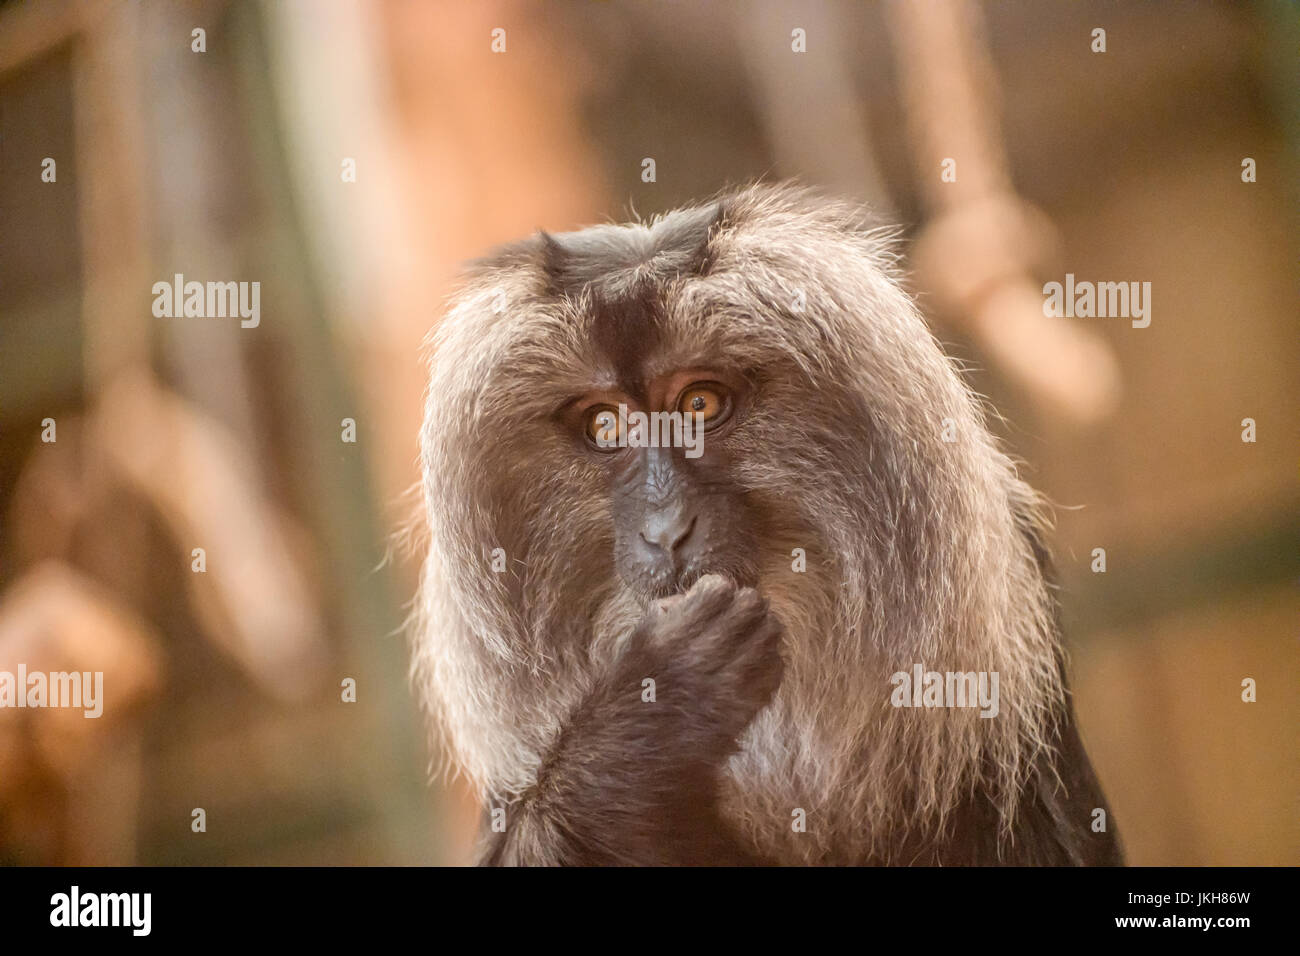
348, 155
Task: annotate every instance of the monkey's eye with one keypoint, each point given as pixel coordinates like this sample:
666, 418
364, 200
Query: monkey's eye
603, 427
711, 402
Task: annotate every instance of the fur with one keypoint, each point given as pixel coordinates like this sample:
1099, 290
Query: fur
918, 550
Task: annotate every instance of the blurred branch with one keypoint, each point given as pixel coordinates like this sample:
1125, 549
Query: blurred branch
978, 251
253, 599
56, 619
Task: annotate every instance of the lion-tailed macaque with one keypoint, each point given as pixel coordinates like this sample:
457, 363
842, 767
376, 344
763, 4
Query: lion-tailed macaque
725, 567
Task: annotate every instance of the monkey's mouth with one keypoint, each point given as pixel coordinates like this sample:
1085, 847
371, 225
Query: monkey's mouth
678, 584
666, 584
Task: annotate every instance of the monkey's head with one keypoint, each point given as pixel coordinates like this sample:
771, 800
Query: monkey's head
840, 466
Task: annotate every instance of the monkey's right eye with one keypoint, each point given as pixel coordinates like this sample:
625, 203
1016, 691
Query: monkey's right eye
603, 427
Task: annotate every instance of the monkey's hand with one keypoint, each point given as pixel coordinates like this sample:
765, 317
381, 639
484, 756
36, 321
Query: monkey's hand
633, 778
714, 656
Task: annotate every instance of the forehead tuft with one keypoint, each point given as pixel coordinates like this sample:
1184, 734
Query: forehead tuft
600, 295
621, 271
609, 262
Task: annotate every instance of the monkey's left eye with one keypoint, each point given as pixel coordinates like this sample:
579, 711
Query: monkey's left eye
706, 400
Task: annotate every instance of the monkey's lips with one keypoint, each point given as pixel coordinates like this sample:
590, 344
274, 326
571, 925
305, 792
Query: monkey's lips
668, 585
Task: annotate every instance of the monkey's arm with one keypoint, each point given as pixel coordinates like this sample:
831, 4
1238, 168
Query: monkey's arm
1063, 813
635, 781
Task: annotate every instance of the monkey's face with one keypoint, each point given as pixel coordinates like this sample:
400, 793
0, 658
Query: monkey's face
675, 506
615, 412
841, 468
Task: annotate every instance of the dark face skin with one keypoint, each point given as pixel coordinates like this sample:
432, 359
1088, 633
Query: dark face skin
676, 518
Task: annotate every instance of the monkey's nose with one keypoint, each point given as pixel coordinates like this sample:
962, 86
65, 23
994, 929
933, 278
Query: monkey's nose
668, 530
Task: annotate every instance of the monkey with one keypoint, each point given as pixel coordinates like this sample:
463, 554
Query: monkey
640, 658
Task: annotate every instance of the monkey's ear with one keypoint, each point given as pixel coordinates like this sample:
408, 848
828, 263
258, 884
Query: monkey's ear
720, 220
553, 255
722, 212
554, 260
